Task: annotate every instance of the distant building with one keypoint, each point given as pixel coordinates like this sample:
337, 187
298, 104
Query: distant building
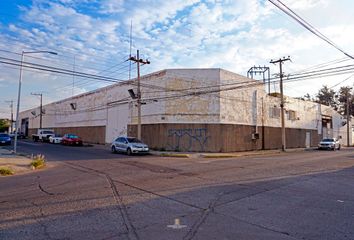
211, 110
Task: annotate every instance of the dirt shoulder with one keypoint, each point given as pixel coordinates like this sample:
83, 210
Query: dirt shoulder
18, 164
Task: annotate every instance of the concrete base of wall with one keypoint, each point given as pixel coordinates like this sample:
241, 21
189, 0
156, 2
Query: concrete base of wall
90, 134
220, 137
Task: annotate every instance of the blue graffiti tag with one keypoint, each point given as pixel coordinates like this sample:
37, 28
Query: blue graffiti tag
188, 139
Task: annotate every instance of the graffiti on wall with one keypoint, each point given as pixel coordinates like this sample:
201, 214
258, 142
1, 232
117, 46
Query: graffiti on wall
187, 139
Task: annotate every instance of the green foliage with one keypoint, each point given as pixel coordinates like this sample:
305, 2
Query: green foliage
327, 96
4, 171
4, 125
345, 95
38, 161
337, 100
307, 97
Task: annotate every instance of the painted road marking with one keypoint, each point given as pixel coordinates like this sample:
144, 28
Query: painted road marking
177, 225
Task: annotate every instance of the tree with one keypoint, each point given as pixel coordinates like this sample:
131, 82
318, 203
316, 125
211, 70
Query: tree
307, 97
4, 125
327, 96
343, 94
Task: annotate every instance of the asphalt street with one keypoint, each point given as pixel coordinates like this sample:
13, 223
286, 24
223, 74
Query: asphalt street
58, 152
89, 193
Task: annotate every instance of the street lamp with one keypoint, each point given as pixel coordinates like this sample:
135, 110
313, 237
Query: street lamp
19, 91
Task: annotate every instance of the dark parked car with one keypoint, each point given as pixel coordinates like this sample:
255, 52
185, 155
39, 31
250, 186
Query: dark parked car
71, 139
329, 143
20, 135
5, 139
129, 145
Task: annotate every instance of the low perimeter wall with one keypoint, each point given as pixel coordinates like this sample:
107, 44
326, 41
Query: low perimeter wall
92, 134
220, 137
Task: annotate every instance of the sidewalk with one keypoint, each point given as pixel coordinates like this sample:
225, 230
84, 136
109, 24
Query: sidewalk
226, 155
18, 164
213, 155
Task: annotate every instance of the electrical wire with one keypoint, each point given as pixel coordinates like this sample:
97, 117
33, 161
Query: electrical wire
306, 25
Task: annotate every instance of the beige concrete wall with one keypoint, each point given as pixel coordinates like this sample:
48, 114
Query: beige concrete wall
187, 107
219, 137
89, 134
168, 97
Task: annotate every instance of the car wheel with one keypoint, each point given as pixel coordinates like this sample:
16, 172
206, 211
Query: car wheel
114, 150
129, 152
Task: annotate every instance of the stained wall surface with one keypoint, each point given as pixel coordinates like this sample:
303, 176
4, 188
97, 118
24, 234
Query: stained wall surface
188, 98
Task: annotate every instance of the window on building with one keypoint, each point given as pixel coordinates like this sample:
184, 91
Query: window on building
274, 112
291, 115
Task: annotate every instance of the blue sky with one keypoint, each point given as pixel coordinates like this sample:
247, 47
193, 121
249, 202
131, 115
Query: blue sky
92, 36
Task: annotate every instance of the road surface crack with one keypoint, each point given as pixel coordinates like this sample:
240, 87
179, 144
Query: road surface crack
257, 225
132, 234
41, 223
43, 190
205, 213
86, 169
131, 231
261, 190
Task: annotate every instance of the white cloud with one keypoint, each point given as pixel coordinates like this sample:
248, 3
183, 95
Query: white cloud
112, 6
230, 34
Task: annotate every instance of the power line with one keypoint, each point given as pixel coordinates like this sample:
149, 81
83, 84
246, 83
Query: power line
189, 91
321, 65
306, 25
77, 65
346, 79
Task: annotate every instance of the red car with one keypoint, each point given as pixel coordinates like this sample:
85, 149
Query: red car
71, 139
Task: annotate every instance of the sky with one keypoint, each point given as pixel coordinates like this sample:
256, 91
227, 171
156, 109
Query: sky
93, 36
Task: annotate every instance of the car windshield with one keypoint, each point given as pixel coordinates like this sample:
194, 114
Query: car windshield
72, 136
328, 140
4, 135
134, 140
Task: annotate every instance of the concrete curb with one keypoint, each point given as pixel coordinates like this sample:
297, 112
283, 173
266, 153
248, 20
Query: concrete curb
228, 155
219, 155
178, 155
241, 154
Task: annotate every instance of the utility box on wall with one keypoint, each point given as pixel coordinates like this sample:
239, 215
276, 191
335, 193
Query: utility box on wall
255, 136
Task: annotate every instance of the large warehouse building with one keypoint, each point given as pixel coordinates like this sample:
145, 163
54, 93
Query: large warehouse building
211, 110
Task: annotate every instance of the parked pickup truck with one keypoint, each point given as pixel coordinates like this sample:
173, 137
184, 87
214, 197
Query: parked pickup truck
43, 135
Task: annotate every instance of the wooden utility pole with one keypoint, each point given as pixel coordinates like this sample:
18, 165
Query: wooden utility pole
138, 61
348, 119
40, 108
283, 138
12, 114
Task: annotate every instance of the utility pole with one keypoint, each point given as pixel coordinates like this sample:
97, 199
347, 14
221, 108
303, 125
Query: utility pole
19, 92
40, 108
138, 61
348, 119
280, 61
12, 113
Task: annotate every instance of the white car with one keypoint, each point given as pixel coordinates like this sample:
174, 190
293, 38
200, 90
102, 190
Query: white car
330, 144
55, 139
129, 145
